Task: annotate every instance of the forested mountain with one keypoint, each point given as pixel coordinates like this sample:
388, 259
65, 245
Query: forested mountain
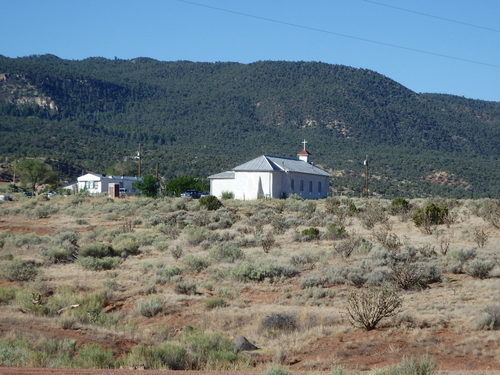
201, 118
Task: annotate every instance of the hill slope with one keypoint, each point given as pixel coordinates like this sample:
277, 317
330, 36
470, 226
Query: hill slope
200, 118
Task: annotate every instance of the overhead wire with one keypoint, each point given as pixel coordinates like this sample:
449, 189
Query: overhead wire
343, 35
432, 16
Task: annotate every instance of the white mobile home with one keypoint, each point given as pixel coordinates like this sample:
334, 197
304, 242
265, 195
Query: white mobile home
97, 183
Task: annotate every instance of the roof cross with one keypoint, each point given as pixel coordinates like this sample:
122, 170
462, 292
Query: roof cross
304, 142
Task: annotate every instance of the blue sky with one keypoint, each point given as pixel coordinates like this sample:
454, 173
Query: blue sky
171, 30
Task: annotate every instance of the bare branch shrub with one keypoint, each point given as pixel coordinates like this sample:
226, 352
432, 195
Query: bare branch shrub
480, 236
366, 308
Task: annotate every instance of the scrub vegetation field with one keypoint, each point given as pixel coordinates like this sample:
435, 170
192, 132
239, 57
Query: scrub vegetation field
340, 285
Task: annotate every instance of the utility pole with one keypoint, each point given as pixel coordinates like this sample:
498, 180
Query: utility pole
139, 159
366, 175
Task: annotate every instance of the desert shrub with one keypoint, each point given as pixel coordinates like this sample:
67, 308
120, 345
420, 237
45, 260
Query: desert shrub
165, 356
97, 250
210, 202
346, 247
18, 270
400, 206
215, 302
44, 211
246, 272
366, 308
165, 274
408, 274
42, 353
490, 212
227, 195
429, 216
372, 214
279, 224
209, 350
490, 319
58, 255
187, 287
310, 234
93, 356
275, 370
480, 236
196, 235
125, 245
226, 253
99, 264
7, 295
335, 231
304, 260
279, 322
66, 239
356, 276
176, 252
479, 268
387, 239
457, 259
332, 205
267, 241
195, 264
150, 307
412, 366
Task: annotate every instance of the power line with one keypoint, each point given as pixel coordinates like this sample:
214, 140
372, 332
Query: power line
432, 16
343, 35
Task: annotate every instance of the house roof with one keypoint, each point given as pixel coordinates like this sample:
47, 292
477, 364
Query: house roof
223, 175
303, 152
267, 163
109, 177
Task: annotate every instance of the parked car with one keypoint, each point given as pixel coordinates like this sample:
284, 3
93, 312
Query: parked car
191, 193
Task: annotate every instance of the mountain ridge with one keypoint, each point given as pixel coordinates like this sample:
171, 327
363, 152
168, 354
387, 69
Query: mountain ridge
189, 112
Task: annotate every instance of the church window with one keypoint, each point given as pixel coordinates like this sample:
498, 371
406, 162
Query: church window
293, 184
310, 186
319, 186
301, 185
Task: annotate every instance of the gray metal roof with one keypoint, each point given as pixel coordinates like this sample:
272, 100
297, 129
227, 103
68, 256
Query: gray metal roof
223, 175
266, 163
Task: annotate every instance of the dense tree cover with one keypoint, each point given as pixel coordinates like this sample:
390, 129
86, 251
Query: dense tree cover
34, 172
177, 185
148, 186
202, 118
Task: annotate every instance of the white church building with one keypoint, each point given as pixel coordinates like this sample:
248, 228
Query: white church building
273, 177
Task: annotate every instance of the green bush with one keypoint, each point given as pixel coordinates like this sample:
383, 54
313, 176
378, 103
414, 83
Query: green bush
226, 253
310, 234
165, 274
430, 215
99, 264
209, 350
19, 270
227, 195
400, 206
97, 250
335, 231
210, 202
